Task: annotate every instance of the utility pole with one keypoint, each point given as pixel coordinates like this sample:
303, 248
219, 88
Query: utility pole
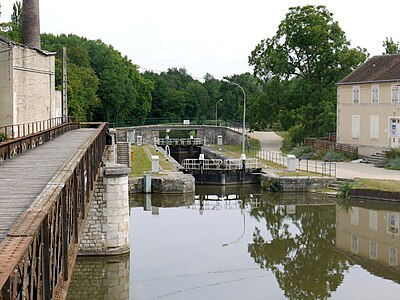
64, 84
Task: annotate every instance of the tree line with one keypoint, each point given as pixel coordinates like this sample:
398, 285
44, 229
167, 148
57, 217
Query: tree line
292, 88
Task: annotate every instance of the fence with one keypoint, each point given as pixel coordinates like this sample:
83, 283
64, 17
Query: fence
219, 164
32, 138
327, 145
24, 129
320, 167
181, 142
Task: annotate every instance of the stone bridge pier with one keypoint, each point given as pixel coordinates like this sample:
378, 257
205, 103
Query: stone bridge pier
107, 226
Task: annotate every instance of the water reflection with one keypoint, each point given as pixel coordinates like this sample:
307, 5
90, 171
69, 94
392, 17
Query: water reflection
100, 278
368, 234
300, 250
234, 242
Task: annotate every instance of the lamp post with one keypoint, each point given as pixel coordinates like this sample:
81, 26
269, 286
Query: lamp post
243, 156
216, 111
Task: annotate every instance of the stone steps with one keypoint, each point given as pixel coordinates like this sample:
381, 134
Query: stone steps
377, 159
336, 185
124, 154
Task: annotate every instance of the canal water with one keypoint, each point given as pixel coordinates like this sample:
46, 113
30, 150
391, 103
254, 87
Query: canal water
240, 243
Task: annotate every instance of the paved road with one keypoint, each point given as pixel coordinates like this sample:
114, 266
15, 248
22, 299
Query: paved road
272, 142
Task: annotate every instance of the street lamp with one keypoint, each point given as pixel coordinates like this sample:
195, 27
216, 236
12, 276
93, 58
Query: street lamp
216, 111
243, 156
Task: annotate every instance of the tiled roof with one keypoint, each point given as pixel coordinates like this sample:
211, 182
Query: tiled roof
377, 68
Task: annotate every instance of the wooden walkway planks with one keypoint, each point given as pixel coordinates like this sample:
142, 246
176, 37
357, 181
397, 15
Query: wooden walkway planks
24, 177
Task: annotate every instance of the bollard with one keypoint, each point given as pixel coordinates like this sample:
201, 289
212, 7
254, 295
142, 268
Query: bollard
147, 183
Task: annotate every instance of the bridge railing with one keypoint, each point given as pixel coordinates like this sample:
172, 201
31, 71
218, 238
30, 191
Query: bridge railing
14, 131
38, 254
182, 142
36, 133
219, 164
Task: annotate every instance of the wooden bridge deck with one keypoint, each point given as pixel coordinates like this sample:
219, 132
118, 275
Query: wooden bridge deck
24, 177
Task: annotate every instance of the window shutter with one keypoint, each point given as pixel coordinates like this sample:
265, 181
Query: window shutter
355, 126
374, 127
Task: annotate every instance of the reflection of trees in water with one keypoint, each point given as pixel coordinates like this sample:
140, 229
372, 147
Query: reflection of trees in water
304, 263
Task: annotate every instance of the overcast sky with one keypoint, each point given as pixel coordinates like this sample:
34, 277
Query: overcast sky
208, 36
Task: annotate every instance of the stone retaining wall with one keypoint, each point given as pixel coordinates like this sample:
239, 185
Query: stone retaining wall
173, 182
297, 184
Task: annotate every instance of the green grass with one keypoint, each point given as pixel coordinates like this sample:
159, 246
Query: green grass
377, 184
164, 164
141, 163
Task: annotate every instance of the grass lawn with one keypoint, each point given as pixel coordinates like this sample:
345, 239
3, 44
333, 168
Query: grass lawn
377, 184
141, 162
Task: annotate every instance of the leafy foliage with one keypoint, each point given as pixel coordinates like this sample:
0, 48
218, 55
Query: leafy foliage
302, 62
102, 84
344, 190
390, 46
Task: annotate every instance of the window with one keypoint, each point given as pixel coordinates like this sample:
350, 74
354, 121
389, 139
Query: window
374, 127
354, 243
395, 93
393, 223
355, 126
375, 94
373, 249
392, 256
356, 94
354, 215
373, 220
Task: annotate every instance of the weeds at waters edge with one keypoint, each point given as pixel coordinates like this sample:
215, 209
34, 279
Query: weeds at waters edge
344, 190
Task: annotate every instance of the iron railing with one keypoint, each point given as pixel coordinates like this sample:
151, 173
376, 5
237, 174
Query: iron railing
219, 164
14, 131
34, 136
179, 142
38, 254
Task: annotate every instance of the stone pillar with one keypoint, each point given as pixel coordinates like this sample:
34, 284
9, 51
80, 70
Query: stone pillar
107, 227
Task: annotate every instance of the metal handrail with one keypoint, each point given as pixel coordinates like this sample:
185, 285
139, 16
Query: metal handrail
219, 164
13, 131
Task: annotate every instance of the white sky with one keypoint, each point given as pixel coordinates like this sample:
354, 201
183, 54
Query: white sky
208, 36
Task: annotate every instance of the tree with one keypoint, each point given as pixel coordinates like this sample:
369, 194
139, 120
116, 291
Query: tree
390, 46
13, 29
308, 44
311, 54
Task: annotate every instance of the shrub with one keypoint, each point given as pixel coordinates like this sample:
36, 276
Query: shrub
3, 137
394, 163
334, 156
392, 153
303, 152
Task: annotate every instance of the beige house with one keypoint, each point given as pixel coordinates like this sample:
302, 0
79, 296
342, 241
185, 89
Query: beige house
368, 108
27, 84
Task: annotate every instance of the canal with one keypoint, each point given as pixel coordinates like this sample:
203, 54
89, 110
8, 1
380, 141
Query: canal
238, 242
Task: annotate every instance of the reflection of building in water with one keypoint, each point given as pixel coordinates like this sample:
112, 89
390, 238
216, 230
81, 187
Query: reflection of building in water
369, 234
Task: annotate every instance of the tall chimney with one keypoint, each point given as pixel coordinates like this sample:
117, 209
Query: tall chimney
31, 23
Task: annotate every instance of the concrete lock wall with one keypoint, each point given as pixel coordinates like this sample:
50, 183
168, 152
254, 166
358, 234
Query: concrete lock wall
107, 227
